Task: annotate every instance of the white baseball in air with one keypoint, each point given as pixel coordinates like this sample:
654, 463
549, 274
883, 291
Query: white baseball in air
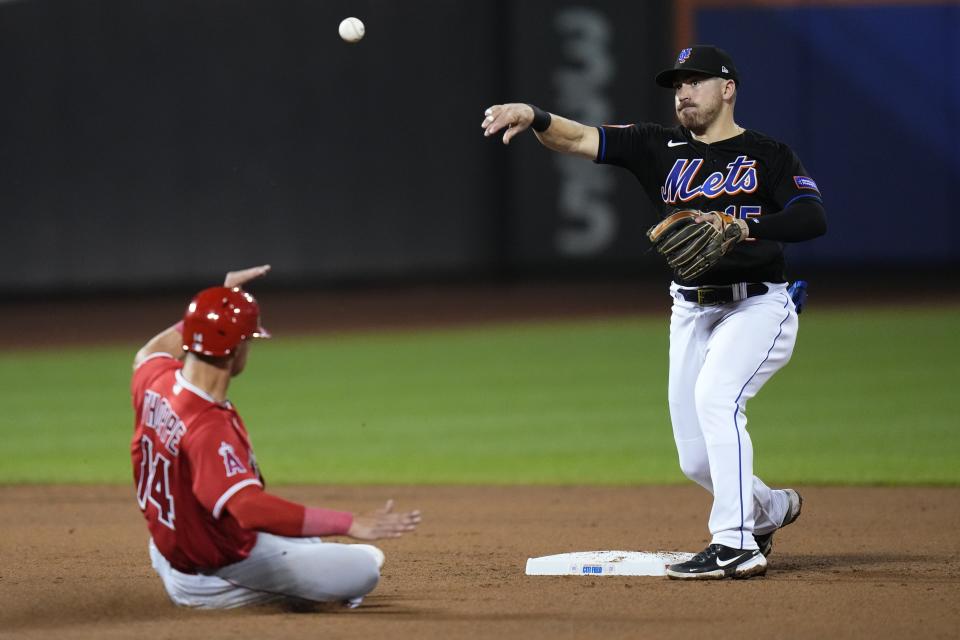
352, 29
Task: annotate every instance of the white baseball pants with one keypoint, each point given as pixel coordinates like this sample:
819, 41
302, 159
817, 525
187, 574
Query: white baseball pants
278, 568
720, 356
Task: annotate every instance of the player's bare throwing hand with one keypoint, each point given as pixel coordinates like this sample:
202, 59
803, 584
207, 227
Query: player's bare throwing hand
217, 538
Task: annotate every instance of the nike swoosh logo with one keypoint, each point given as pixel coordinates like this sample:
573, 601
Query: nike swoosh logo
671, 143
723, 563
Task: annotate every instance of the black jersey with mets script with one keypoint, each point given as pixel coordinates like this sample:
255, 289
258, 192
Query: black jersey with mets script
747, 176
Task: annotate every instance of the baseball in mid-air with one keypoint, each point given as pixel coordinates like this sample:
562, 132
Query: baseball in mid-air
352, 29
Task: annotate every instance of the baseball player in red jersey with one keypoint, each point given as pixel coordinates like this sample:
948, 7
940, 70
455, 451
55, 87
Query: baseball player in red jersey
733, 326
217, 538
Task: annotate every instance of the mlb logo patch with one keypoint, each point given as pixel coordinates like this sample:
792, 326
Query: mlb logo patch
684, 55
803, 182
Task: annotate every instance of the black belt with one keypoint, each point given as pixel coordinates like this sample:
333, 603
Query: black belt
711, 296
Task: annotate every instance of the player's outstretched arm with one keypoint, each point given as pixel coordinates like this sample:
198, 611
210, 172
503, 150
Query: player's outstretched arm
243, 276
383, 523
258, 510
170, 340
560, 134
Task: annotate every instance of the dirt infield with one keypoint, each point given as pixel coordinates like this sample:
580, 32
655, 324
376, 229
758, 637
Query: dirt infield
861, 562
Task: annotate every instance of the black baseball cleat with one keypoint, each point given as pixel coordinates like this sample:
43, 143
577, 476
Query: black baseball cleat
717, 562
765, 541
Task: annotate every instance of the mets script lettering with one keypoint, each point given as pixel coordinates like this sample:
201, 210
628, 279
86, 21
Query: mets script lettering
741, 177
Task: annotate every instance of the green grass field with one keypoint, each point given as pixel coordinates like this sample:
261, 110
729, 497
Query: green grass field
866, 399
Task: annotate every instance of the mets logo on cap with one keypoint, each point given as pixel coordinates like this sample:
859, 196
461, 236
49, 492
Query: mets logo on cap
684, 55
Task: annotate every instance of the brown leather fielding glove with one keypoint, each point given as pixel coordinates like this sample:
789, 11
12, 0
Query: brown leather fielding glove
693, 248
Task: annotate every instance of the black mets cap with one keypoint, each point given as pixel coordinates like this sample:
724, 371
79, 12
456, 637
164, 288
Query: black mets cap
701, 58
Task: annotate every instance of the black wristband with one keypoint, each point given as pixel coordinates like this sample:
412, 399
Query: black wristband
541, 119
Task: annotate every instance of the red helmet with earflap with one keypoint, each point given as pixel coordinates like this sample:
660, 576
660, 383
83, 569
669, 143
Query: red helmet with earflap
218, 319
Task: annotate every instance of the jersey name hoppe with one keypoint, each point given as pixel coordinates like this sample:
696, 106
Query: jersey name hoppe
159, 416
741, 177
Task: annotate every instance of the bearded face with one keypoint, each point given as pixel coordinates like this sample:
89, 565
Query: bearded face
698, 100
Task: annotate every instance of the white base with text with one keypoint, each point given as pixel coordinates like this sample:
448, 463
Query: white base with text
605, 563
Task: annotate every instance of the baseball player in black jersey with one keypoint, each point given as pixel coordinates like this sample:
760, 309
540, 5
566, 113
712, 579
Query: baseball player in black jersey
733, 326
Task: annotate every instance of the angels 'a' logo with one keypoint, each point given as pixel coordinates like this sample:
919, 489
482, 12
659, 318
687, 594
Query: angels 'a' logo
230, 460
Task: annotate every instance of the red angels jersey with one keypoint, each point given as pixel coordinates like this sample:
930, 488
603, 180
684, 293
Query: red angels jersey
190, 456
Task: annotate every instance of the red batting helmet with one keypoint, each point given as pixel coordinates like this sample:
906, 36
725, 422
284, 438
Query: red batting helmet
218, 319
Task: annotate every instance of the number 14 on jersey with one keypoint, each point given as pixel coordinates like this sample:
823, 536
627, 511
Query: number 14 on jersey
153, 485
